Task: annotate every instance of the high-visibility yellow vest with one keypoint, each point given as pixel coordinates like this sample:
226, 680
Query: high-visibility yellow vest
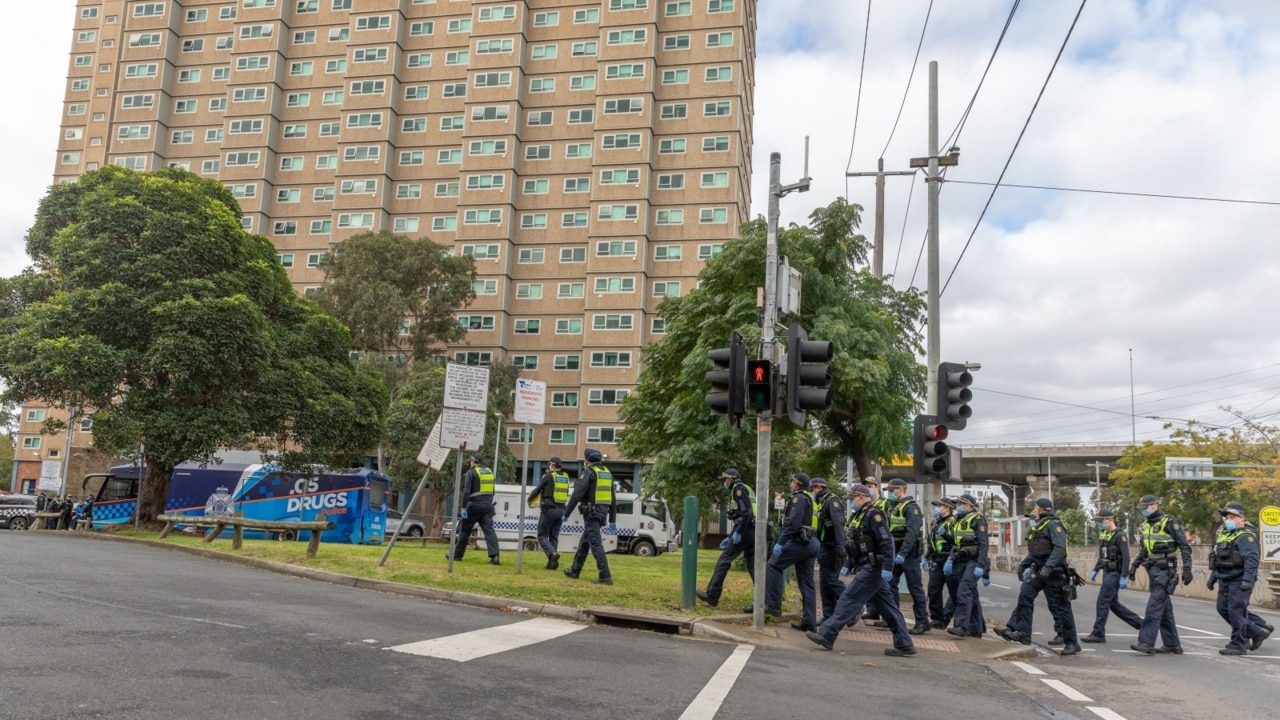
560, 492
604, 485
962, 530
813, 509
486, 480
1156, 538
751, 495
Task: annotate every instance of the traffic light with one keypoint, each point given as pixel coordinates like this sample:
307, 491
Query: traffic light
728, 379
930, 456
760, 385
954, 394
808, 374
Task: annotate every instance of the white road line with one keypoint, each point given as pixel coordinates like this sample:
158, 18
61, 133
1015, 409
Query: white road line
1002, 587
1106, 713
1203, 632
490, 641
1032, 669
1065, 689
1135, 652
707, 704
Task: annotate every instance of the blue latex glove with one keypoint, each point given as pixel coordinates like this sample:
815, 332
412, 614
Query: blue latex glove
898, 559
1027, 575
948, 568
777, 549
986, 582
844, 571
978, 572
613, 528
1093, 576
724, 544
464, 513
736, 537
1124, 582
924, 565
886, 575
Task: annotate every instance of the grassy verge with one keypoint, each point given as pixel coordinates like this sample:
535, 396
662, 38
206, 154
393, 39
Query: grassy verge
639, 583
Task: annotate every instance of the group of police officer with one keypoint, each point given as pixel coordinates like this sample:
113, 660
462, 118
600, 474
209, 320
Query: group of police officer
880, 542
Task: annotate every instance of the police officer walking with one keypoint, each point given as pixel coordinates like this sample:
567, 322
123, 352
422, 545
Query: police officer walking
593, 495
969, 563
1162, 539
905, 525
553, 490
937, 550
1113, 560
831, 540
797, 546
1234, 569
1044, 569
477, 491
870, 553
881, 502
741, 541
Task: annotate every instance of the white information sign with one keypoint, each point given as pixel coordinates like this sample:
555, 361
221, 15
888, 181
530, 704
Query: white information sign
459, 427
50, 476
531, 401
1188, 468
433, 453
466, 387
1269, 530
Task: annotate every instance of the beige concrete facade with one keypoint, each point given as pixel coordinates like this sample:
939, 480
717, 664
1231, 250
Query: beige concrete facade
591, 155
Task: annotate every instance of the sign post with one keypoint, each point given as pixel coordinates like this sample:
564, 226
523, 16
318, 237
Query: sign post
531, 397
431, 455
466, 400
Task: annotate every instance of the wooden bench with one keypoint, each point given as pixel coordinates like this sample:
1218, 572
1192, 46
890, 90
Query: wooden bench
220, 523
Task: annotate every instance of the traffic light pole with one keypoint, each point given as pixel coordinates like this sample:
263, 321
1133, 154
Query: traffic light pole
764, 419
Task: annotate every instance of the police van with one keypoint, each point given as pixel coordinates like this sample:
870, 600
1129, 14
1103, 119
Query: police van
645, 527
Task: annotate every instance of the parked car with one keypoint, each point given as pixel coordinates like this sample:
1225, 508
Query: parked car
412, 528
17, 512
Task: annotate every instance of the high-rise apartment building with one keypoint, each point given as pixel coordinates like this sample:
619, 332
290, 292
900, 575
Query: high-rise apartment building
590, 155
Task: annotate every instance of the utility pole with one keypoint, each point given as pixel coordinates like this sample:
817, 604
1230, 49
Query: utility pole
1097, 493
764, 419
877, 259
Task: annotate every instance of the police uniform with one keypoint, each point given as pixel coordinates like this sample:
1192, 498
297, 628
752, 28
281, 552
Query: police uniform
1234, 568
1113, 560
1045, 569
831, 539
1161, 540
594, 496
881, 503
477, 490
970, 552
798, 546
553, 490
905, 525
741, 540
937, 550
870, 553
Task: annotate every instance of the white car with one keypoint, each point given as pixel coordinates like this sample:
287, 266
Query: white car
412, 528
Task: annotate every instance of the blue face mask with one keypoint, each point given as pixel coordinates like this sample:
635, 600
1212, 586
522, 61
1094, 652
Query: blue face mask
1147, 512
960, 512
1102, 526
1229, 525
937, 512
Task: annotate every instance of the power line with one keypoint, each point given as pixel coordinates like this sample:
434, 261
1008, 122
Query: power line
903, 236
964, 117
910, 76
1018, 142
857, 107
1162, 196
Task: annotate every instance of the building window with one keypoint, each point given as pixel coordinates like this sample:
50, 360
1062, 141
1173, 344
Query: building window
567, 362
573, 255
671, 146
564, 399
611, 322
610, 359
570, 290
675, 42
35, 416
527, 327
30, 443
476, 322
625, 176
569, 326
518, 435
671, 181
603, 435
670, 217
528, 291
532, 256
713, 215
525, 362
473, 358
666, 289
563, 436
707, 252
615, 285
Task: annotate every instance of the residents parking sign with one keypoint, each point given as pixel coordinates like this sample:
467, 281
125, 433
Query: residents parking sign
1269, 528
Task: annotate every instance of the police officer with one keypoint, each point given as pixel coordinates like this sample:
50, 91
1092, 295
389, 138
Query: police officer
970, 563
797, 546
1044, 569
1113, 560
1234, 569
880, 502
870, 552
831, 540
905, 525
553, 489
1161, 540
741, 541
593, 494
477, 490
937, 550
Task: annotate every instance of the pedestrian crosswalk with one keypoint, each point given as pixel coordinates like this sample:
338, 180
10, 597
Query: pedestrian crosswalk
484, 642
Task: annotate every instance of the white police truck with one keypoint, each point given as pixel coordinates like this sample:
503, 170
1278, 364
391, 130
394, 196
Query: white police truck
645, 527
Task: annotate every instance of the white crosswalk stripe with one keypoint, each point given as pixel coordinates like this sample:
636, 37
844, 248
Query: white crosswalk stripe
480, 643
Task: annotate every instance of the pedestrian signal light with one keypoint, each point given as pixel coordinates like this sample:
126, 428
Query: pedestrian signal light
760, 385
931, 458
728, 379
954, 394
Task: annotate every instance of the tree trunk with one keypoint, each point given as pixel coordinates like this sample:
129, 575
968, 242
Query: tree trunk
154, 490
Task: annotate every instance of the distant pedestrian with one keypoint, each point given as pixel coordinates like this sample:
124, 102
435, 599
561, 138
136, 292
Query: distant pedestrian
1113, 561
477, 490
594, 496
553, 490
741, 540
1234, 569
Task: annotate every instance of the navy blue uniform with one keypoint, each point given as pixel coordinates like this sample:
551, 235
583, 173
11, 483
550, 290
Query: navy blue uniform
551, 516
870, 554
831, 538
1234, 566
937, 550
744, 517
1113, 560
905, 524
1047, 562
970, 551
800, 546
479, 507
1162, 539
594, 516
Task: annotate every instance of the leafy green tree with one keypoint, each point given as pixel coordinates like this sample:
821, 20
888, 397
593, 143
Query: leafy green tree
179, 332
1066, 497
873, 327
1073, 519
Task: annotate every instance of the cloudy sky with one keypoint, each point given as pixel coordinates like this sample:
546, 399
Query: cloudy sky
1161, 97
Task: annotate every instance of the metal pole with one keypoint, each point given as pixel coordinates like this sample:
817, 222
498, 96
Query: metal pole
689, 554
457, 492
137, 504
935, 182
66, 454
524, 488
764, 421
1133, 414
497, 438
1050, 478
412, 503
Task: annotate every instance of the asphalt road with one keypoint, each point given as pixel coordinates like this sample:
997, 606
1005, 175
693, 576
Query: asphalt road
92, 629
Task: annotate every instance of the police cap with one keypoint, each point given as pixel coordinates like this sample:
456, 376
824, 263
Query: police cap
592, 455
802, 479
1044, 504
1148, 499
1105, 513
554, 460
871, 482
898, 482
817, 481
730, 473
1233, 508
477, 458
859, 489
944, 502
967, 499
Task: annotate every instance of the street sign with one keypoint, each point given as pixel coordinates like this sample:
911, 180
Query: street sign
461, 427
778, 502
1188, 468
1269, 529
433, 453
531, 401
466, 387
50, 476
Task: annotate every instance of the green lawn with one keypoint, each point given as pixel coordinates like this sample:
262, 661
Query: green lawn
641, 583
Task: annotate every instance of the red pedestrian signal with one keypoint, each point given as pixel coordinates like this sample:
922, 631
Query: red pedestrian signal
760, 385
